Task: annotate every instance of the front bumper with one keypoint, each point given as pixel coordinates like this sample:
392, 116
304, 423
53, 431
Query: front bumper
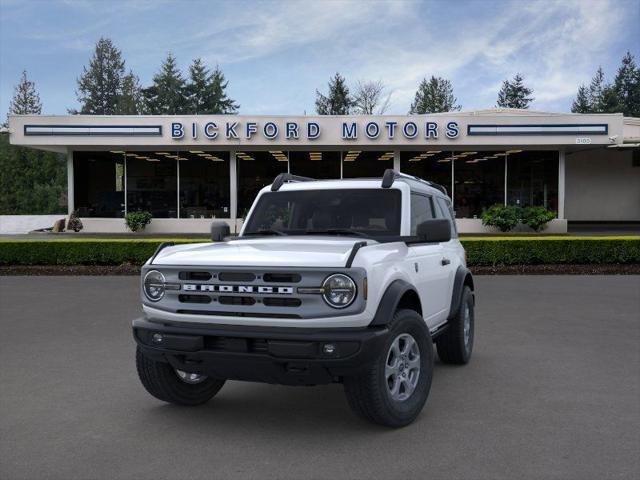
289, 356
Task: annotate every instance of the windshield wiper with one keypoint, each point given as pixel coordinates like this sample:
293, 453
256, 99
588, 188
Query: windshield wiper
267, 231
336, 231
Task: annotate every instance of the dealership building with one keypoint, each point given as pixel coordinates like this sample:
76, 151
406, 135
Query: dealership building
187, 170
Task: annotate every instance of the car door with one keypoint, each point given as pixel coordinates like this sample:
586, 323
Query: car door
425, 264
452, 252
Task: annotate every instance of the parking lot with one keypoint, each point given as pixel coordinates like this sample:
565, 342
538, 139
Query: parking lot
553, 391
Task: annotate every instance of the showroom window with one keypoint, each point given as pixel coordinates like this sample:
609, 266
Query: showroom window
316, 164
152, 183
365, 164
204, 184
478, 181
432, 165
255, 171
99, 184
532, 178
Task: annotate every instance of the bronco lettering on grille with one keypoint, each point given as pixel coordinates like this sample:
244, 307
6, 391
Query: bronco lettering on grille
191, 287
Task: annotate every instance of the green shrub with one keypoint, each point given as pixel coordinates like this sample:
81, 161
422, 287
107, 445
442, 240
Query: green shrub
503, 217
480, 251
137, 220
545, 250
536, 217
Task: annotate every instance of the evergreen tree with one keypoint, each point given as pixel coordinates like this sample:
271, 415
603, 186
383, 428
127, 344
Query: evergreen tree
100, 85
581, 104
167, 95
434, 95
338, 101
218, 101
514, 94
196, 89
596, 91
627, 86
25, 99
206, 91
130, 101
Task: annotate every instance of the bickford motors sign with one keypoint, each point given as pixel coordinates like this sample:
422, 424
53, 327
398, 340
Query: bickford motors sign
294, 130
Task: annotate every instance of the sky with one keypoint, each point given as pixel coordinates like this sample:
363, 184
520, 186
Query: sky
275, 54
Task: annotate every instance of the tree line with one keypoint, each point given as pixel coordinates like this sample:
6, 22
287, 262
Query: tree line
33, 181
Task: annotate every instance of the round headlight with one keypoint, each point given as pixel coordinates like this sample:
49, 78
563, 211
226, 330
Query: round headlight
154, 285
338, 290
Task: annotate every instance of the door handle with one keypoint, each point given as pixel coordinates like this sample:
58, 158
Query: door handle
445, 262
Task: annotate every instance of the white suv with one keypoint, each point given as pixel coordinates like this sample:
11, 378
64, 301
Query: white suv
347, 281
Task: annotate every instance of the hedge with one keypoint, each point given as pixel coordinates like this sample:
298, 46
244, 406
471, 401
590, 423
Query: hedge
480, 250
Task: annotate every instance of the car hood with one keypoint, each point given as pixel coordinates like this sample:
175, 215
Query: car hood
289, 251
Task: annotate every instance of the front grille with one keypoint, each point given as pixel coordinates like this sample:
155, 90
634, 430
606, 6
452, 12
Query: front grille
260, 292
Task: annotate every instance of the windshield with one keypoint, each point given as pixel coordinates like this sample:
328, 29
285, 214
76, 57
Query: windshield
360, 212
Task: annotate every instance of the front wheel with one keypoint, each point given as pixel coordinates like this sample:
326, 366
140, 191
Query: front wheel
395, 386
175, 386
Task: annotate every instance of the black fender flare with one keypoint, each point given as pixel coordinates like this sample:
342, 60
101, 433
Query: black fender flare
463, 277
389, 302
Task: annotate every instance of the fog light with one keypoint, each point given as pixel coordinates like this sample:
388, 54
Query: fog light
329, 348
157, 338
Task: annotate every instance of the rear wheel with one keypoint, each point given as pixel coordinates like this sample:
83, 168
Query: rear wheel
396, 384
456, 343
175, 386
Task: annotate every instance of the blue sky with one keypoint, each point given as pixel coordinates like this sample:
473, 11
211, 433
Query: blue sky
276, 53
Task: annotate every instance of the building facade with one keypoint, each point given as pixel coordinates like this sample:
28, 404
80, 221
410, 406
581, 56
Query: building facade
187, 170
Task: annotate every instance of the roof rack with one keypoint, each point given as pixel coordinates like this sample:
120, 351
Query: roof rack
390, 175
286, 178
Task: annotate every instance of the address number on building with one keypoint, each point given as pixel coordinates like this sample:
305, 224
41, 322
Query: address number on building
583, 141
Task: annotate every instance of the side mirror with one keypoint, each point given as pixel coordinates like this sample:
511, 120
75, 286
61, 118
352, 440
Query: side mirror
436, 230
219, 230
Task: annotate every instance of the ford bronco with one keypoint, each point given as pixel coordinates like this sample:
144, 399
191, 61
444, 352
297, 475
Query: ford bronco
348, 281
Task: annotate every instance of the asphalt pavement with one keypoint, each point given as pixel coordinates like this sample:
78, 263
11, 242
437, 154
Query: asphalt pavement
552, 391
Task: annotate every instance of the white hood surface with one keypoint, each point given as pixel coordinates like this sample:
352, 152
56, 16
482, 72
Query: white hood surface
286, 251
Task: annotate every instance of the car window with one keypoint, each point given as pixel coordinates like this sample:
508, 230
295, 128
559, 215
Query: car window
446, 211
371, 212
421, 210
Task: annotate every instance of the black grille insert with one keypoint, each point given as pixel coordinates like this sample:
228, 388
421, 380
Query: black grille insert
197, 276
282, 277
236, 300
194, 298
282, 302
236, 277
238, 314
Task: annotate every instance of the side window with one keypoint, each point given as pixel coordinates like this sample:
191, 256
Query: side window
421, 210
446, 211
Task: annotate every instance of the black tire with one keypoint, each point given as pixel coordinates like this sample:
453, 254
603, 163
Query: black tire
368, 394
161, 380
451, 345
